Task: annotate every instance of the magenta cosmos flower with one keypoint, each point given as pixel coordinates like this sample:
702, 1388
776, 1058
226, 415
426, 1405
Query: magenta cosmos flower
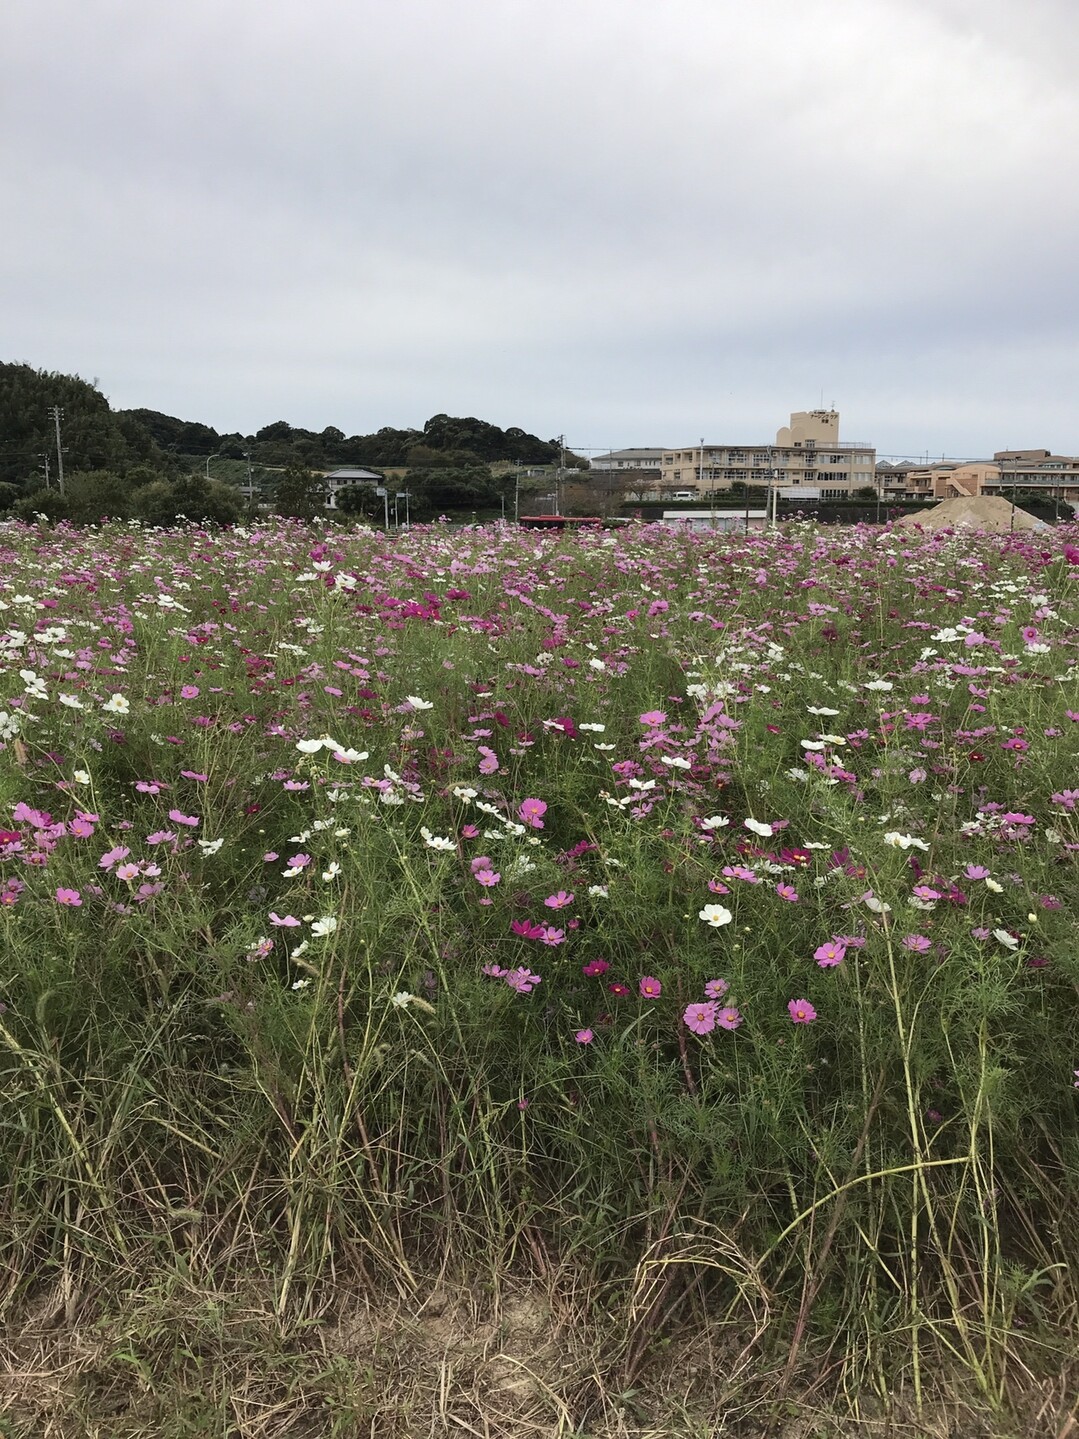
650, 988
801, 1011
531, 812
831, 953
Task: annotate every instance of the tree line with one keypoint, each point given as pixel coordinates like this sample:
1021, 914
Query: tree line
147, 465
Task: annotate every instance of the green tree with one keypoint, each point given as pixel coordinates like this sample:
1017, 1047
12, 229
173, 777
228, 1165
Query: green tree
360, 502
299, 494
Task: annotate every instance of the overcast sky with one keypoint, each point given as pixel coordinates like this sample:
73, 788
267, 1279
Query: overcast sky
637, 222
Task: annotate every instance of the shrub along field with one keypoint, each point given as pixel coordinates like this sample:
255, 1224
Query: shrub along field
669, 939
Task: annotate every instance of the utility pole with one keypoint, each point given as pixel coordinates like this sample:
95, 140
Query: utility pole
45, 457
561, 480
517, 494
57, 415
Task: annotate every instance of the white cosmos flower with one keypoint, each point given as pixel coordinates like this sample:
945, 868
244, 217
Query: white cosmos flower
716, 821
72, 701
820, 710
350, 756
210, 846
594, 728
417, 703
118, 705
309, 746
435, 841
326, 925
904, 841
402, 999
675, 761
331, 872
759, 827
598, 891
1009, 941
878, 906
882, 685
80, 776
715, 915
992, 885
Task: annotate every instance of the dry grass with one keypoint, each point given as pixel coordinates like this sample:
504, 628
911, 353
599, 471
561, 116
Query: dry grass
492, 1360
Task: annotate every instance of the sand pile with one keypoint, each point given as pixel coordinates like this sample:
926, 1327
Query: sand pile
974, 512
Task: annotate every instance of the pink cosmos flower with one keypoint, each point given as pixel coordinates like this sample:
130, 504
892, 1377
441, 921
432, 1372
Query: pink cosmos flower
787, 892
729, 1018
284, 921
469, 831
653, 718
178, 818
489, 762
127, 871
700, 1017
526, 929
650, 988
113, 856
917, 943
189, 692
559, 900
194, 774
522, 979
487, 877
551, 936
70, 897
584, 1036
716, 988
162, 836
531, 812
801, 1011
830, 954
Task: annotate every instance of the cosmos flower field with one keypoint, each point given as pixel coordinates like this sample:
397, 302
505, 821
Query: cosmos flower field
697, 909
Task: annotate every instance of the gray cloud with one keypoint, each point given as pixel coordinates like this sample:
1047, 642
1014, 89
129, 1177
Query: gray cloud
638, 223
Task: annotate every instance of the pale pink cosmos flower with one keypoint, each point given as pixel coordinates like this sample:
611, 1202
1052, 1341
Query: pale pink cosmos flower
113, 856
284, 921
70, 897
551, 936
716, 988
729, 1018
787, 892
189, 692
917, 943
489, 762
653, 718
178, 818
700, 1017
584, 1036
559, 900
487, 877
801, 1011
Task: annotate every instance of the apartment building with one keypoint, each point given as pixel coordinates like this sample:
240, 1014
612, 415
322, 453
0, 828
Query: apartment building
807, 453
1009, 471
645, 461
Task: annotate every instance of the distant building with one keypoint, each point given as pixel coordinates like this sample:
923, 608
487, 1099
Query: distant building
807, 452
345, 478
1056, 476
639, 461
